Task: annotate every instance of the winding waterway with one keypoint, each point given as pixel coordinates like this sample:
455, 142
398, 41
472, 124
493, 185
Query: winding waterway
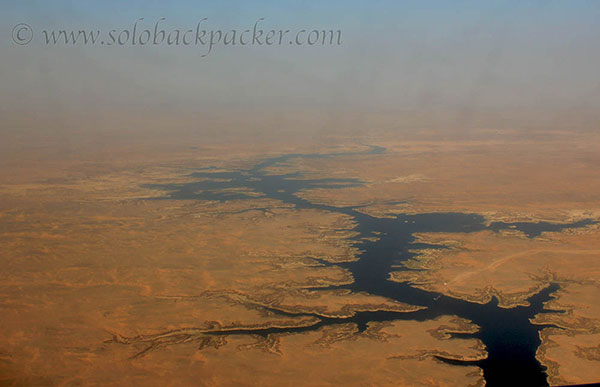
510, 338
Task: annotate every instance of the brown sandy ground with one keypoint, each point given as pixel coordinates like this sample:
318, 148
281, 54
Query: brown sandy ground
503, 176
572, 354
512, 267
91, 271
391, 354
88, 260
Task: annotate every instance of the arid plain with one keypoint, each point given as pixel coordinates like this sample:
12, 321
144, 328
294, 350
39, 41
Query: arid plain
107, 280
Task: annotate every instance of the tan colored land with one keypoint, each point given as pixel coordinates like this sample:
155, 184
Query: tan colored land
398, 353
89, 262
506, 264
511, 267
572, 353
101, 286
552, 176
75, 273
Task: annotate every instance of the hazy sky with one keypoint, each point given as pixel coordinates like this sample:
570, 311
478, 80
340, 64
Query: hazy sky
394, 55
